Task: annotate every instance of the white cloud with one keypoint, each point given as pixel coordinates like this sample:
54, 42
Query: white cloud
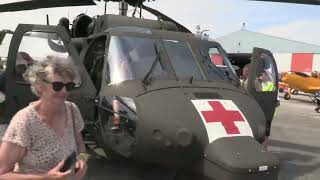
302, 30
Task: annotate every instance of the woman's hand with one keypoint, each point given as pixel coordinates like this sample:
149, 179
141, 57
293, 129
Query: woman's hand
81, 169
55, 174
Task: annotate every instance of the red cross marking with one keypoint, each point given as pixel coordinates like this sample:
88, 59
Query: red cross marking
220, 114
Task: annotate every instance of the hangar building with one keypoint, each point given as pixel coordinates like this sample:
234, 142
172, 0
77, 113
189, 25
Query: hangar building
290, 55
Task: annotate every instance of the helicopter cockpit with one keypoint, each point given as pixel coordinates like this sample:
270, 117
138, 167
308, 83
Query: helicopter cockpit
131, 58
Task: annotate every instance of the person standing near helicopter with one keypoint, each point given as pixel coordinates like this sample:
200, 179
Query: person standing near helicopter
22, 62
317, 100
263, 83
41, 135
267, 85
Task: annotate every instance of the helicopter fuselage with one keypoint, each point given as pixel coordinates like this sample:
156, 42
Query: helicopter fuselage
179, 100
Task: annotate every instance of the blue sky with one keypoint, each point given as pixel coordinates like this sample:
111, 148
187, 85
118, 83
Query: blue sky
291, 21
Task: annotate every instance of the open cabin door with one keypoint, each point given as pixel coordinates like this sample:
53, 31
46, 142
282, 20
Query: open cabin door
31, 44
263, 82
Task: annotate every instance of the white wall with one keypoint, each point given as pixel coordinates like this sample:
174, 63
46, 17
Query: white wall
283, 61
316, 62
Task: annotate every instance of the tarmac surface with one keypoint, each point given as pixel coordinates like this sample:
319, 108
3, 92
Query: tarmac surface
294, 139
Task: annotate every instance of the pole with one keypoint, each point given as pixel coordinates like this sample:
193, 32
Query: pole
123, 8
105, 7
48, 20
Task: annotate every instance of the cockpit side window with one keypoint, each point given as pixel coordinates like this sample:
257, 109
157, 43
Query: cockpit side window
216, 58
4, 49
215, 61
35, 47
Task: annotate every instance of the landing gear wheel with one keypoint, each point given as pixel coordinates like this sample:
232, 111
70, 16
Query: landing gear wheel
286, 96
295, 92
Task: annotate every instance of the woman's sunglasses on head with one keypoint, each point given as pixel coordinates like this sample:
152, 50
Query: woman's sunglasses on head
57, 85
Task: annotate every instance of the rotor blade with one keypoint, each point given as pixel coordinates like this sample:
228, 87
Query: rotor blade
311, 2
36, 4
165, 18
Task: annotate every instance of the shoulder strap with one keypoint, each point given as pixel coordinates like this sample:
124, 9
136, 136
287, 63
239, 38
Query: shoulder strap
72, 116
74, 126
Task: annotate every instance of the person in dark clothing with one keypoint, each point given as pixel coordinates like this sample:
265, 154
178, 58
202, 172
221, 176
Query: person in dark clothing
317, 99
3, 81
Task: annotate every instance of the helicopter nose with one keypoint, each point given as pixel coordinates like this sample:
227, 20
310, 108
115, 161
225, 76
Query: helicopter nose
239, 158
194, 118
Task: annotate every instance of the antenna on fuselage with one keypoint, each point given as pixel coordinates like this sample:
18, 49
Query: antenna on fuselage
123, 8
105, 7
135, 8
48, 20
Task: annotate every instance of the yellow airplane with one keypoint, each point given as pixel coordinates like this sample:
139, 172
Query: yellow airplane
300, 82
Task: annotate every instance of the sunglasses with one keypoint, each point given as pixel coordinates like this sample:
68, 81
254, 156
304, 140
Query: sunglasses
57, 85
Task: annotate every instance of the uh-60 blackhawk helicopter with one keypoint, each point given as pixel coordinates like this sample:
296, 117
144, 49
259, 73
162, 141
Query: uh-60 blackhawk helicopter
179, 100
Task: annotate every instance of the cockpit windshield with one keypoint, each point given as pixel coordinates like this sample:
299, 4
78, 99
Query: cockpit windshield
182, 60
132, 58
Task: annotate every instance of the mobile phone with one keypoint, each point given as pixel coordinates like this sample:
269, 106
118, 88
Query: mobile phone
69, 162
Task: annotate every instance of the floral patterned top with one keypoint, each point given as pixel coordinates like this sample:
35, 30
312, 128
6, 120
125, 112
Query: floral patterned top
44, 148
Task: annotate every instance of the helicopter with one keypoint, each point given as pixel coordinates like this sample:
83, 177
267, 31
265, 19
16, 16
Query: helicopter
177, 106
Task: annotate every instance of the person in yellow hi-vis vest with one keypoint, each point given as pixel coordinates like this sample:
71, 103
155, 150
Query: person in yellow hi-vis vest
266, 82
267, 85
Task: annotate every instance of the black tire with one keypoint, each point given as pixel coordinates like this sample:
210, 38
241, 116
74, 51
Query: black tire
295, 92
286, 96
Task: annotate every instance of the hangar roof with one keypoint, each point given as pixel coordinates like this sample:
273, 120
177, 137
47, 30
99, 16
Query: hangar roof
243, 41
